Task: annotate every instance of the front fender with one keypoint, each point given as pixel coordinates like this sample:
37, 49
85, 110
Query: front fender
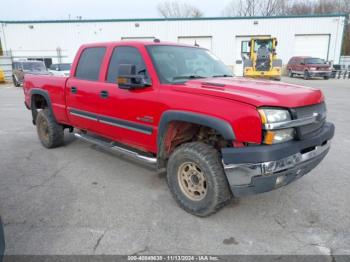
220, 125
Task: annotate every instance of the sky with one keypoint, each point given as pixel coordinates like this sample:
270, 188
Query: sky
96, 9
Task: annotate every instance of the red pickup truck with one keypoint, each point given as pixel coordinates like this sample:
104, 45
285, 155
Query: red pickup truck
178, 107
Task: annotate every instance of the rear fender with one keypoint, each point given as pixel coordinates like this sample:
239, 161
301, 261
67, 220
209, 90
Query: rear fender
33, 107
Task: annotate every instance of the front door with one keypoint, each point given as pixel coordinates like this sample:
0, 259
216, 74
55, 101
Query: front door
128, 116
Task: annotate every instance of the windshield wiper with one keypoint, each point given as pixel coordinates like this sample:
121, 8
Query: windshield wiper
188, 77
223, 76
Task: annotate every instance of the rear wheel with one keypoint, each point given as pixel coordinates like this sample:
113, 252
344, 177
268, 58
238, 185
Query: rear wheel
50, 133
197, 180
306, 75
326, 77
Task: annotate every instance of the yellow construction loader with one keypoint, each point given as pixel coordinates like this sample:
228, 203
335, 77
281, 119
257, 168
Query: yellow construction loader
2, 76
261, 59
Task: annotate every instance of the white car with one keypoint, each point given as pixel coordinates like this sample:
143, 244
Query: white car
60, 69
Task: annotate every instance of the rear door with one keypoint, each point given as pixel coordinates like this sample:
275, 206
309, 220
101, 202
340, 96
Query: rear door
84, 88
292, 65
297, 67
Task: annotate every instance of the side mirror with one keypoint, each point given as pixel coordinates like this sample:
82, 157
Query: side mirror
302, 63
128, 79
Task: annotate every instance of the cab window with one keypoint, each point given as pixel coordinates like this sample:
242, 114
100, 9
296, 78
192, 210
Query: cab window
90, 63
125, 55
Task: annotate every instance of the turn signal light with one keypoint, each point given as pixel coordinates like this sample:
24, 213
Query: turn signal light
122, 80
269, 137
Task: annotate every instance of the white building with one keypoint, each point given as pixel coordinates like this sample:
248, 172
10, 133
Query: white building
319, 36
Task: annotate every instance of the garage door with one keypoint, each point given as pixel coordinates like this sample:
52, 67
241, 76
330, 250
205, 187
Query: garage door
202, 41
311, 45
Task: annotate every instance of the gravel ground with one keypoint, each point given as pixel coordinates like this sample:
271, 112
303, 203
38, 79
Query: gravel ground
79, 199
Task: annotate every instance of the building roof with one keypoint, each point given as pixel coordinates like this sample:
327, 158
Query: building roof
169, 19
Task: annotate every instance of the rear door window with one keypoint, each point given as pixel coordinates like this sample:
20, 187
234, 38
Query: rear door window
89, 64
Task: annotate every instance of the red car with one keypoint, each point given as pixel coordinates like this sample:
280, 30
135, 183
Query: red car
178, 107
308, 67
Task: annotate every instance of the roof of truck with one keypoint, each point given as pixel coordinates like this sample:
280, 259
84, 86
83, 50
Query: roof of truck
137, 43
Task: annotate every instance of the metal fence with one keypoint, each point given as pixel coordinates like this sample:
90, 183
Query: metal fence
341, 74
345, 61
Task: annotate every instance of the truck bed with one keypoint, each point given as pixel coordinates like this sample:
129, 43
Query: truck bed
53, 85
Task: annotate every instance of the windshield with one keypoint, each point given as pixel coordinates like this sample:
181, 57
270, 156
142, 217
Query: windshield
34, 66
64, 67
262, 44
314, 61
177, 64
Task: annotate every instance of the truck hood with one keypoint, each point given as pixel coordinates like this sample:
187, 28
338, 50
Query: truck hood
254, 92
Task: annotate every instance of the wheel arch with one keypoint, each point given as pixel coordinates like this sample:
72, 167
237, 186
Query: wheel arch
221, 126
39, 99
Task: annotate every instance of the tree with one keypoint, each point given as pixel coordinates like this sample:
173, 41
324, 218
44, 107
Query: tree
254, 8
175, 9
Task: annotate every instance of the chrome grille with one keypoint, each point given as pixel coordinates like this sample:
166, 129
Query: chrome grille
307, 111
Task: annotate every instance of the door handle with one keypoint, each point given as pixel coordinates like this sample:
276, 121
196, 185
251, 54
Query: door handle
104, 94
74, 90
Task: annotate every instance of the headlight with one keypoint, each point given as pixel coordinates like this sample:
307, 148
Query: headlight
272, 115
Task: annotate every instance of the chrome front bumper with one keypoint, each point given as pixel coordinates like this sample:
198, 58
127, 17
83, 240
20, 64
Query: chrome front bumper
243, 173
276, 168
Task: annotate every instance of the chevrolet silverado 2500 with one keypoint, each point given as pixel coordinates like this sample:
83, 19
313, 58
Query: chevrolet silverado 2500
178, 107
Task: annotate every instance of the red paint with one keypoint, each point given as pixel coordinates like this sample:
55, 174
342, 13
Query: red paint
231, 99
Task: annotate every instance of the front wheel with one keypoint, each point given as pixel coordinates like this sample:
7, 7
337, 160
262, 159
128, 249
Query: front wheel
196, 179
50, 133
15, 82
326, 77
290, 73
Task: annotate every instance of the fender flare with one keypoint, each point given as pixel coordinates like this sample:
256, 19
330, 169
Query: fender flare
220, 125
45, 94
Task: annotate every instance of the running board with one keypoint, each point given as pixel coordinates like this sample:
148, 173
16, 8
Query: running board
111, 146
